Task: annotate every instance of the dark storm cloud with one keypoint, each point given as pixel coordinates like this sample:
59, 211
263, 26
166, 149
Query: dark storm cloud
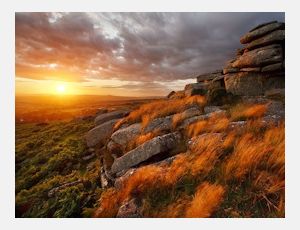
128, 46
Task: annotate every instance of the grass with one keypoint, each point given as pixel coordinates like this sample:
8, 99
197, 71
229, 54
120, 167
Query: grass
47, 156
161, 108
207, 198
242, 111
225, 172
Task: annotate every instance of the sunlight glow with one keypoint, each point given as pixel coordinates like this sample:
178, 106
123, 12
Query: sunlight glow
61, 89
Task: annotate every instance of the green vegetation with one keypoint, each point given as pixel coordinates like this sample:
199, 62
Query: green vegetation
49, 155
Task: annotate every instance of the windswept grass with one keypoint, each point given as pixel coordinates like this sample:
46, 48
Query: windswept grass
141, 139
216, 123
251, 151
247, 111
226, 172
161, 108
207, 198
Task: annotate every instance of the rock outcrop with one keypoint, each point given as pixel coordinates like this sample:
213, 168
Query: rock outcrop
257, 67
257, 70
99, 134
124, 135
103, 117
145, 151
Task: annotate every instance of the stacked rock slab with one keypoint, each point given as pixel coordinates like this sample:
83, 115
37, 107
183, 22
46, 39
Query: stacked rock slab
259, 65
205, 83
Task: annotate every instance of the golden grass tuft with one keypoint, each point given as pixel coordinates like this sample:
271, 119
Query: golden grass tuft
161, 108
141, 139
216, 123
109, 204
175, 209
177, 169
244, 111
207, 198
248, 161
251, 150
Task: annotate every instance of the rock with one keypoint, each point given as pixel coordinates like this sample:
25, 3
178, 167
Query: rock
178, 95
201, 85
260, 57
124, 135
145, 151
114, 149
191, 112
271, 119
196, 89
253, 69
110, 116
100, 133
217, 96
119, 182
244, 83
273, 67
171, 94
261, 30
230, 70
211, 109
273, 37
159, 125
209, 76
236, 124
129, 209
193, 92
275, 108
194, 119
240, 51
275, 93
274, 82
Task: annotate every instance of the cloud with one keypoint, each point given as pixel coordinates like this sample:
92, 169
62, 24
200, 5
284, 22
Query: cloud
142, 47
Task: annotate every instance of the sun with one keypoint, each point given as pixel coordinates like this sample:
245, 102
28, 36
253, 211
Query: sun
60, 89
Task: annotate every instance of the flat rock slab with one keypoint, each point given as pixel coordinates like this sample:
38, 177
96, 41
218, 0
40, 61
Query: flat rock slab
260, 57
261, 30
275, 93
244, 83
124, 135
273, 37
209, 76
100, 133
145, 151
273, 67
200, 85
110, 116
159, 124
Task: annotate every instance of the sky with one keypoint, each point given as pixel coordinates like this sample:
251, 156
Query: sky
124, 54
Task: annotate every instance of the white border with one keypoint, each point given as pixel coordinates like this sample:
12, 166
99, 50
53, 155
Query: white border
7, 110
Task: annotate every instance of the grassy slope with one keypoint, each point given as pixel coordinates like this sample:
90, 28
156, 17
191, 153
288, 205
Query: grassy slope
241, 177
48, 155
